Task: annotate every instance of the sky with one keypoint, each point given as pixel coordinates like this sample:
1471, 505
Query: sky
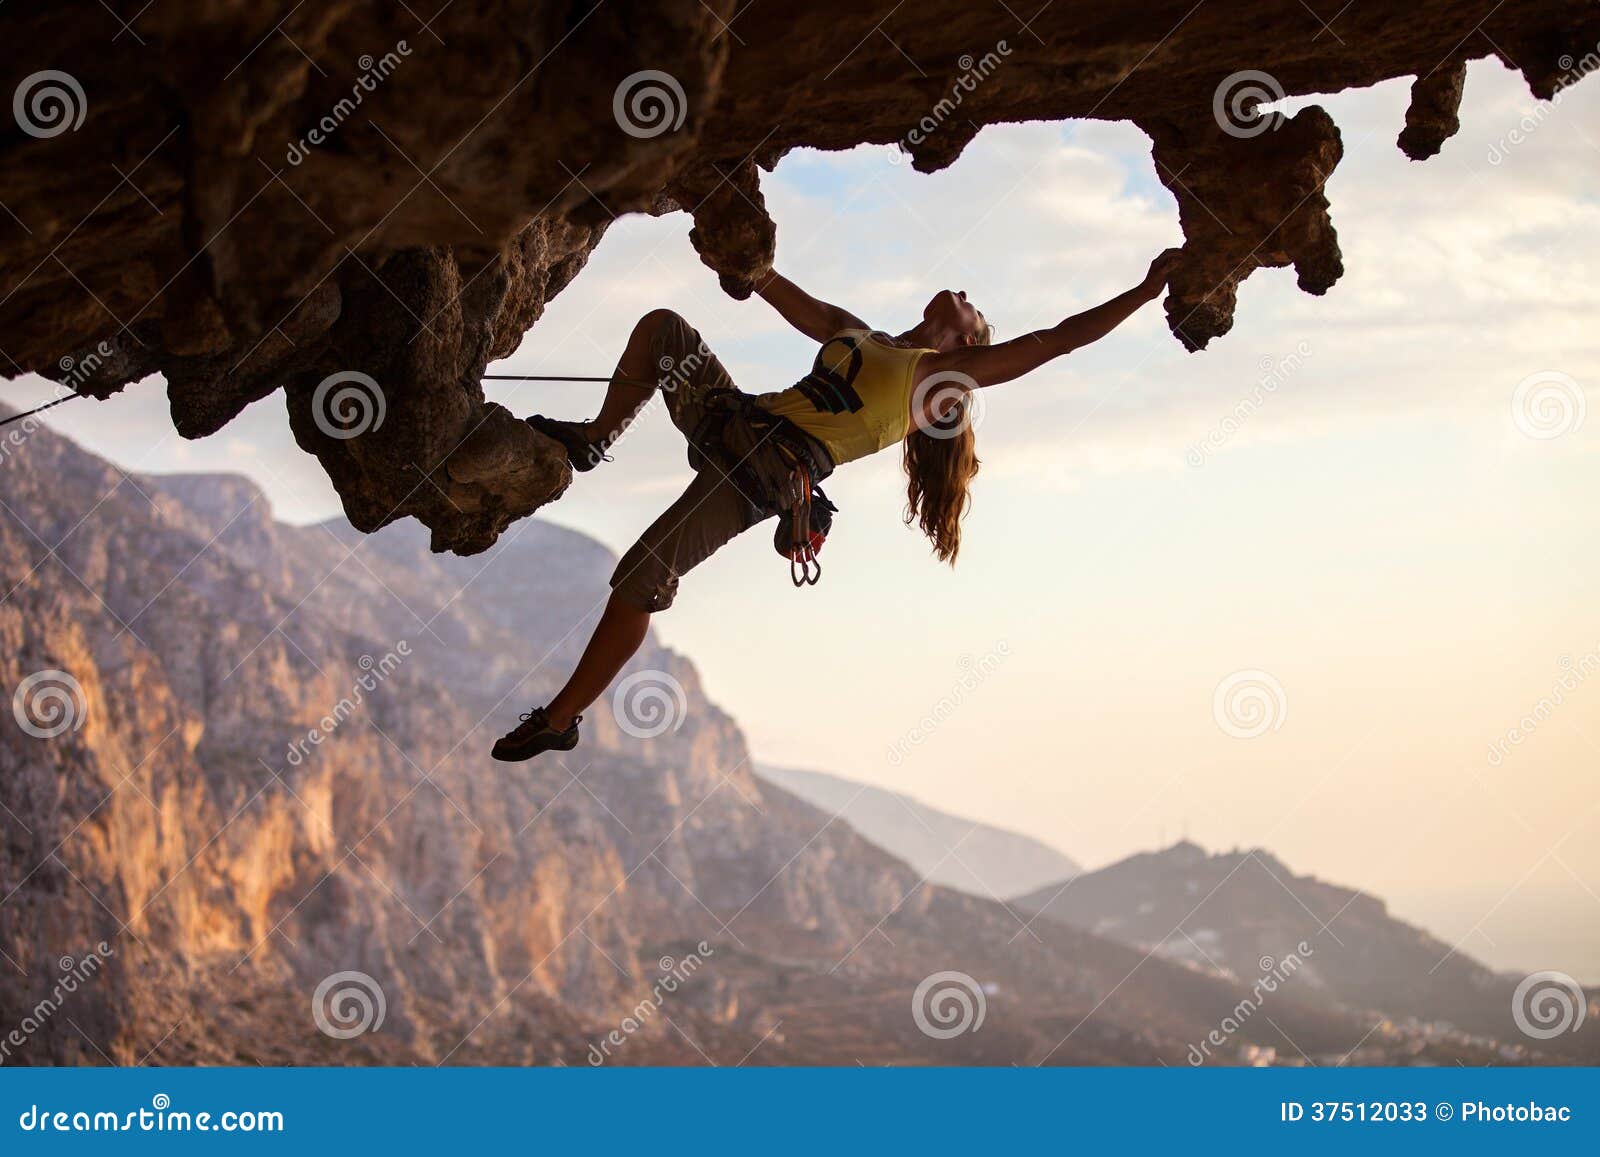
1394, 544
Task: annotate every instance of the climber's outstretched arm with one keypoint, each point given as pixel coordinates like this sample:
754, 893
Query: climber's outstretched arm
991, 365
816, 319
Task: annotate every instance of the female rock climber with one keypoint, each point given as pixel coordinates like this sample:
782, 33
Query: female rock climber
755, 455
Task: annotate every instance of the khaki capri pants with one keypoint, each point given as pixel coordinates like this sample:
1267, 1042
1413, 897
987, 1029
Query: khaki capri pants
712, 511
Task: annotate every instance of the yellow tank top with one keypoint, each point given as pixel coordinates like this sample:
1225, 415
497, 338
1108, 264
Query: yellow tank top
857, 398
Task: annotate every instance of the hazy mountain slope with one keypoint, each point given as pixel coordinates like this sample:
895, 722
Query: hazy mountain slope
946, 849
1233, 910
508, 914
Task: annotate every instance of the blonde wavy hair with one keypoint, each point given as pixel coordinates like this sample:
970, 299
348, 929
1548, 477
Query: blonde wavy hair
940, 467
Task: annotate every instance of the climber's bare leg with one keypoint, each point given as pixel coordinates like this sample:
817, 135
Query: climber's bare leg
623, 398
616, 637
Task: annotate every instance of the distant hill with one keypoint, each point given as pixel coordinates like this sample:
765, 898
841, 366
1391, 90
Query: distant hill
950, 850
1241, 913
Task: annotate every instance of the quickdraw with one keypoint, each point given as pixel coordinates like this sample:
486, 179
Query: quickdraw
805, 569
803, 525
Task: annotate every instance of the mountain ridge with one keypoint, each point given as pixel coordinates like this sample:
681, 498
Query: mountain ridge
954, 851
507, 914
1229, 911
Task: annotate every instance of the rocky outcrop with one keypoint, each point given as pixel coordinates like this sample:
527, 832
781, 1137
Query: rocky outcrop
247, 197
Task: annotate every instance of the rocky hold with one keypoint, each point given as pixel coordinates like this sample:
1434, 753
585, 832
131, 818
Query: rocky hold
315, 198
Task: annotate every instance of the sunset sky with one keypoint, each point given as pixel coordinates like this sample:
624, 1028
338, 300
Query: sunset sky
1381, 536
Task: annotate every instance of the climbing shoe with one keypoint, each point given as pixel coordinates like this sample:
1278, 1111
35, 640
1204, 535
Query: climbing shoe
582, 453
533, 736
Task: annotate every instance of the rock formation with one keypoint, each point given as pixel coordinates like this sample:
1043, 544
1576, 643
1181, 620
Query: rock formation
245, 197
508, 914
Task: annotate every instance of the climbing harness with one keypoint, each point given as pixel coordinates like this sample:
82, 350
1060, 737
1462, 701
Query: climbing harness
776, 466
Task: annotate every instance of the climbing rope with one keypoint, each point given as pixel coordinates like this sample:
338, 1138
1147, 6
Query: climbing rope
486, 377
36, 409
565, 378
